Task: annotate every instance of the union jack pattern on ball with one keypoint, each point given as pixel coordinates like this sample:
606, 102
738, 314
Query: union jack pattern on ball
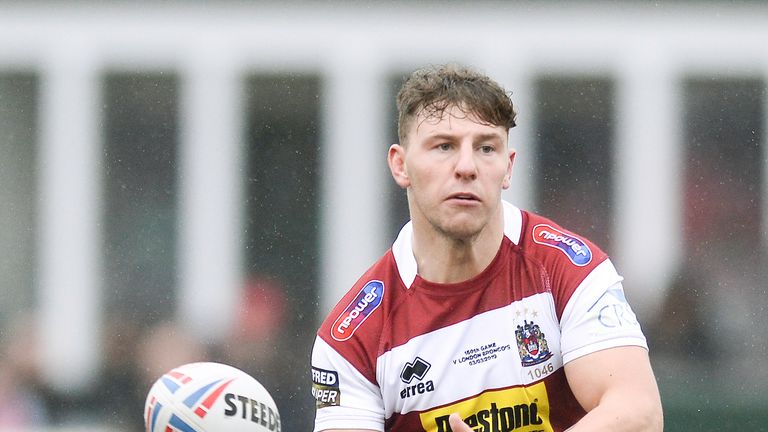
182, 399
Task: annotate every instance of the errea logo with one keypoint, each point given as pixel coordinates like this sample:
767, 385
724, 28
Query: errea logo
417, 369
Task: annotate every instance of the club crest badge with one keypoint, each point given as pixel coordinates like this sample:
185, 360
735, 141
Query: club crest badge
531, 344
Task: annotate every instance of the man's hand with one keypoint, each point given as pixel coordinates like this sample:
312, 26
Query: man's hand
457, 425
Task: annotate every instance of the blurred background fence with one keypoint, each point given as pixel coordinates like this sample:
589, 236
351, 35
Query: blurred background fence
203, 180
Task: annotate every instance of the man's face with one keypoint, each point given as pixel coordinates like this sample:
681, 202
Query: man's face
454, 169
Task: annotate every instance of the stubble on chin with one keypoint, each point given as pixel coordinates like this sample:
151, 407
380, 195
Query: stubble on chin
459, 228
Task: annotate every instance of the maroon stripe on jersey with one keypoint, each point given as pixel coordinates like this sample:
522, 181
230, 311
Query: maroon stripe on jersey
515, 273
428, 306
562, 273
564, 410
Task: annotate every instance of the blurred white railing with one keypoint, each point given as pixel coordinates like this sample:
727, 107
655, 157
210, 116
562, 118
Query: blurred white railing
646, 50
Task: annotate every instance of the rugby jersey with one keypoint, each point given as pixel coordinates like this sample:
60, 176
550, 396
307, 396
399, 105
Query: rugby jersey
401, 353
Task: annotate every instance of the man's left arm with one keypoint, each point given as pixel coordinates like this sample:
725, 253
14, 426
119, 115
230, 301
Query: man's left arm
617, 388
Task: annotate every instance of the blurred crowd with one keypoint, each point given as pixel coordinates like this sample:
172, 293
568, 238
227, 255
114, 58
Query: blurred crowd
135, 355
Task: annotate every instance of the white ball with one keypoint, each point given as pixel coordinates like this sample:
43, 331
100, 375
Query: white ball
209, 397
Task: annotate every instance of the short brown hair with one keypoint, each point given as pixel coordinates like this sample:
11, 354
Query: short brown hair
434, 89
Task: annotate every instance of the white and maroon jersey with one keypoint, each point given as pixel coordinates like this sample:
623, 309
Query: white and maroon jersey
401, 353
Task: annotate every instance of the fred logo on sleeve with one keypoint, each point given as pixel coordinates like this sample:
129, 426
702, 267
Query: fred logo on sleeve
325, 387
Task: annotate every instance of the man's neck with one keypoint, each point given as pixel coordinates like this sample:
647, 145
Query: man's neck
442, 259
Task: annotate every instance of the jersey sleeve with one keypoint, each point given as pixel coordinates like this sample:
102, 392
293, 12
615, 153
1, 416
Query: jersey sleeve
586, 289
597, 316
345, 399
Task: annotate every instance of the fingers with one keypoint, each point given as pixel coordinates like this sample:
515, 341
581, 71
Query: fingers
457, 425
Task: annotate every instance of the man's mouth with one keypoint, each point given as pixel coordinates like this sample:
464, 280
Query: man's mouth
464, 197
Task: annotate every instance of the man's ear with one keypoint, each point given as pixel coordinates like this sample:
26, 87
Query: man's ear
508, 177
396, 161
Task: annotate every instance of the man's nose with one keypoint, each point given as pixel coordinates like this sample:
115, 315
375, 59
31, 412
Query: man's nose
465, 163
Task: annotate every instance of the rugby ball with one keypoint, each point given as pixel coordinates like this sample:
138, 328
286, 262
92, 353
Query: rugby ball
209, 397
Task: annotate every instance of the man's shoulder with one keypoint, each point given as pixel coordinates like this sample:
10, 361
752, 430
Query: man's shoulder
565, 257
360, 311
545, 239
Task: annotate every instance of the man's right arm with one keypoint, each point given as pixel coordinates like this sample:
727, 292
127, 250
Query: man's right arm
346, 399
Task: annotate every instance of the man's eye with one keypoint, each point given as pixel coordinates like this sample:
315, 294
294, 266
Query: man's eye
444, 146
486, 149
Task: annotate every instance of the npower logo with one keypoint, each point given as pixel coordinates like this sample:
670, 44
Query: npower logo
366, 301
573, 247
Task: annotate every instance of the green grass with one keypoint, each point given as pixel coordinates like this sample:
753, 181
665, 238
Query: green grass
709, 418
